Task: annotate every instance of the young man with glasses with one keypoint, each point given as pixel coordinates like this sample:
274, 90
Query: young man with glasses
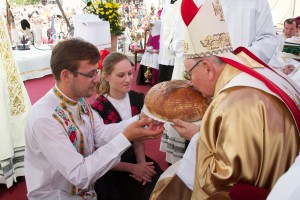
67, 149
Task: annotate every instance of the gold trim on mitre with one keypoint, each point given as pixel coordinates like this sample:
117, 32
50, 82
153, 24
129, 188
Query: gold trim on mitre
218, 10
206, 34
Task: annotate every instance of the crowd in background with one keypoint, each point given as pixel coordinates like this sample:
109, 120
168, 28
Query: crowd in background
134, 18
40, 16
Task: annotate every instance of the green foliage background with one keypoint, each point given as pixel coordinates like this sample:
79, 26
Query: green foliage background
24, 2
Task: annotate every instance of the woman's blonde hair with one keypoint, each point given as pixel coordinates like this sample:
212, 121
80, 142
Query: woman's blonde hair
108, 65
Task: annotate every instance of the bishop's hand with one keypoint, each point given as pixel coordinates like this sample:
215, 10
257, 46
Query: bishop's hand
185, 129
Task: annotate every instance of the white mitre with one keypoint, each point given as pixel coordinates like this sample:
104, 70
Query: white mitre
205, 32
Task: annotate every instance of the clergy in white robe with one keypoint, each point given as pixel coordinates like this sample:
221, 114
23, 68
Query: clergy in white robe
250, 25
166, 57
14, 107
288, 185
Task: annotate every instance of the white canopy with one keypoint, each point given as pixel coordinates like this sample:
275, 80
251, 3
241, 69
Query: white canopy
283, 9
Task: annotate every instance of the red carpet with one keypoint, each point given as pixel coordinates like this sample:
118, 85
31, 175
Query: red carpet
36, 88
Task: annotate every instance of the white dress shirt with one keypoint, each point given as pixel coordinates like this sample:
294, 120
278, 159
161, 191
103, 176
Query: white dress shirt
52, 163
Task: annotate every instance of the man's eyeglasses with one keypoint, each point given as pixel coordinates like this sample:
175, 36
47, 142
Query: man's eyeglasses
91, 74
187, 75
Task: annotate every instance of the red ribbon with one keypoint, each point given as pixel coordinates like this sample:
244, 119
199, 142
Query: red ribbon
273, 87
103, 54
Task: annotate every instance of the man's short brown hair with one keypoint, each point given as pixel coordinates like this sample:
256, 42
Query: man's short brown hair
291, 21
68, 53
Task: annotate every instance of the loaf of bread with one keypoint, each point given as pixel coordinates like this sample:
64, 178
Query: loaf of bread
175, 100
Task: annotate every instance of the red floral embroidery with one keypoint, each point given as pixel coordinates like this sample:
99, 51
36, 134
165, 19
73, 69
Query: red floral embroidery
134, 110
67, 122
102, 98
95, 104
112, 117
100, 107
72, 136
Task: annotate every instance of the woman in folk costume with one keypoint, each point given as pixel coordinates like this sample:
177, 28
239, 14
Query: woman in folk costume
135, 176
14, 106
250, 131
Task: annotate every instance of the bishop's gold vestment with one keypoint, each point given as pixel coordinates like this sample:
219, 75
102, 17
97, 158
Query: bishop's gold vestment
247, 136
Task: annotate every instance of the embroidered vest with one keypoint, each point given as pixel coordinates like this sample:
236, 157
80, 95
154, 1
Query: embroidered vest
109, 114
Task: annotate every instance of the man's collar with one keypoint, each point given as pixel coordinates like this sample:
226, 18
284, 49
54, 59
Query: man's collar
63, 97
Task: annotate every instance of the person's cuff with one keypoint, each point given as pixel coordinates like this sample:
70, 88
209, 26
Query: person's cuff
195, 136
120, 141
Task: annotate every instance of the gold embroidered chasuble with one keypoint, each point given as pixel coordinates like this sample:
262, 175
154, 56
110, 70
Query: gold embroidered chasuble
14, 106
224, 154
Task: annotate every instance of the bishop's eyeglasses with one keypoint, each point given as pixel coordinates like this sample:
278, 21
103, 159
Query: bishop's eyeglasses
187, 75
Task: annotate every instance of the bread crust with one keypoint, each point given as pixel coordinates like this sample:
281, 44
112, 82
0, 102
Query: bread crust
175, 100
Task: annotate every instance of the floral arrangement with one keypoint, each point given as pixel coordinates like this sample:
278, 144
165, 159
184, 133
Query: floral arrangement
107, 11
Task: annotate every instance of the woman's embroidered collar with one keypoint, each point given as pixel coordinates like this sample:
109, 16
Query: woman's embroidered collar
62, 97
